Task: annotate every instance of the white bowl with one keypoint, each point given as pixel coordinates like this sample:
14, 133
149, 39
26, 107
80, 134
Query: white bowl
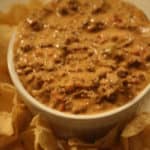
66, 125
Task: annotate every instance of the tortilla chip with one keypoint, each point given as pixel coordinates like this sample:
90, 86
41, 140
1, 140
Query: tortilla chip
44, 139
38, 120
21, 117
137, 125
6, 127
6, 130
7, 93
106, 142
41, 137
136, 135
137, 142
19, 120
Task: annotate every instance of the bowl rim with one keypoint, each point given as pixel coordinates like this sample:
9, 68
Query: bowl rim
30, 99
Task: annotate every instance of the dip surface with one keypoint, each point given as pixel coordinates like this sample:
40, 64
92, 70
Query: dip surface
84, 56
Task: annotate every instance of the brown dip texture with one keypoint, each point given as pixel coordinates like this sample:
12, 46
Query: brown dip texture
84, 56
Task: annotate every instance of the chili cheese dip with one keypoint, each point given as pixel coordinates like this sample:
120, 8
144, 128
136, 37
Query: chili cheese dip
84, 56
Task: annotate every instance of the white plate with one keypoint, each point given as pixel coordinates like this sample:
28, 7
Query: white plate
142, 4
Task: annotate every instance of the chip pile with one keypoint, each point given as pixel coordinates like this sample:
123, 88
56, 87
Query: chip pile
20, 130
